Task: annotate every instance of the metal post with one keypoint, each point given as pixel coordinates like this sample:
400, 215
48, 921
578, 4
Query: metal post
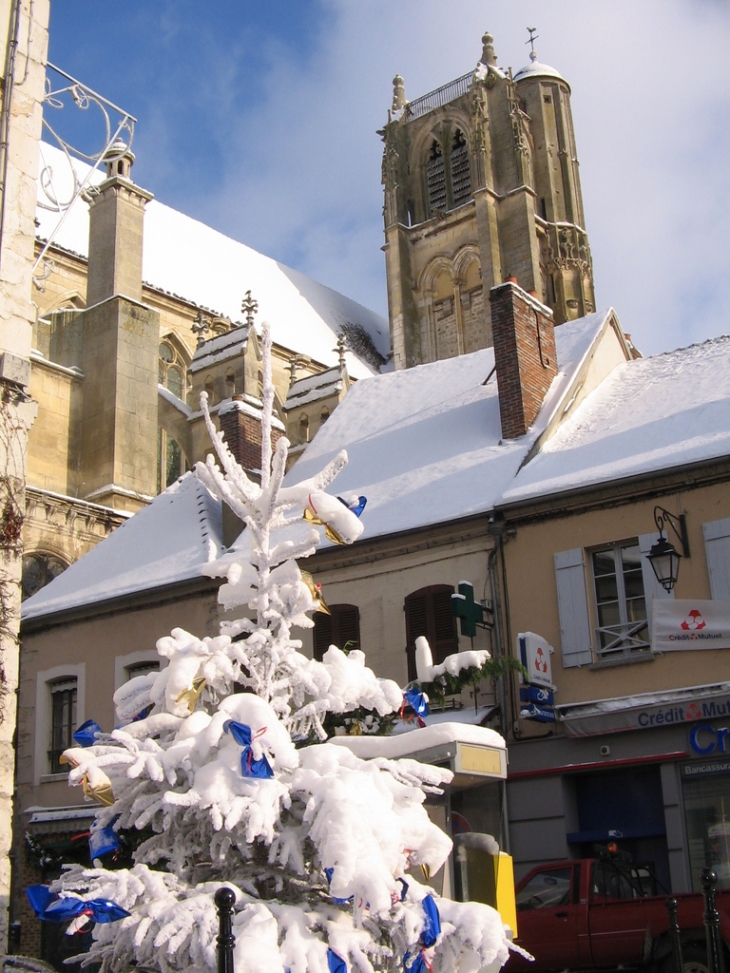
671, 905
711, 918
224, 899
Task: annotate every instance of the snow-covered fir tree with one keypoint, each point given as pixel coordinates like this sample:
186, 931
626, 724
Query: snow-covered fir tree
221, 771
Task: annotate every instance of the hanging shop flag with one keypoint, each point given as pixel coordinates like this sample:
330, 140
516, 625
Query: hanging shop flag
688, 625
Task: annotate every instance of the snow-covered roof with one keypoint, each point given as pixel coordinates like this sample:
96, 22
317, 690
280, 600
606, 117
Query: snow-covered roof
314, 387
168, 541
650, 414
535, 69
425, 444
185, 257
221, 348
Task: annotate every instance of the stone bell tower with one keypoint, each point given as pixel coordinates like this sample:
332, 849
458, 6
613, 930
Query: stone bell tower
481, 183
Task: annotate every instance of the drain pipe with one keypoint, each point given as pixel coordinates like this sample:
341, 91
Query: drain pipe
496, 532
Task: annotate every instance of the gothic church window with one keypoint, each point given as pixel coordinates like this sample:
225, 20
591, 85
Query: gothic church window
460, 173
172, 375
38, 570
172, 370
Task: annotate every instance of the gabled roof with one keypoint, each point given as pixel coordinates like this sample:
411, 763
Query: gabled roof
425, 444
189, 259
224, 346
167, 542
649, 415
314, 387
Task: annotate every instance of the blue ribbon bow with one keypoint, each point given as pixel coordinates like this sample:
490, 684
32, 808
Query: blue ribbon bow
357, 506
85, 736
335, 963
242, 735
103, 841
49, 907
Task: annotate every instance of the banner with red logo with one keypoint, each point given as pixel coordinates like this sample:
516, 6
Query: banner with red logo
688, 625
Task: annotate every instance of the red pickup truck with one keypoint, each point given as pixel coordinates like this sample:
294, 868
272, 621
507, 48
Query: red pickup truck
594, 914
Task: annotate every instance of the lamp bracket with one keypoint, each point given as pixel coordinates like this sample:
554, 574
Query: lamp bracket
678, 524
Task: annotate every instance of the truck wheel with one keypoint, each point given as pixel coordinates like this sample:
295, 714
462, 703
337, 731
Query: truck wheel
694, 958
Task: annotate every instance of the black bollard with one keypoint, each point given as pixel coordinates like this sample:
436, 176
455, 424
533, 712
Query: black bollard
671, 904
224, 899
711, 918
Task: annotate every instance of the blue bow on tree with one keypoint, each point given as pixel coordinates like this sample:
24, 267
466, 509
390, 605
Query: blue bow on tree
418, 703
357, 506
241, 733
335, 963
85, 736
329, 873
103, 841
430, 933
49, 907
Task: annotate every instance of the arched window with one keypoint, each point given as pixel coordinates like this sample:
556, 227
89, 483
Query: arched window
38, 570
304, 428
324, 414
428, 612
436, 179
171, 464
460, 174
172, 369
341, 628
230, 384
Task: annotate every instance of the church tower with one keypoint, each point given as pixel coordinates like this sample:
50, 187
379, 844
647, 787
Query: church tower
481, 184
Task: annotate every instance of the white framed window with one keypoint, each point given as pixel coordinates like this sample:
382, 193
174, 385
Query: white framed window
139, 663
621, 611
605, 599
60, 709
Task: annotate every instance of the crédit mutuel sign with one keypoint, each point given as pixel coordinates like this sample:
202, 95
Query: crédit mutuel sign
677, 626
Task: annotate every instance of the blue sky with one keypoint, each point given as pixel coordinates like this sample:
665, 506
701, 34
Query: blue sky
260, 120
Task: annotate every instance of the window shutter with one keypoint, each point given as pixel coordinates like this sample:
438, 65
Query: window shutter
347, 626
416, 624
428, 612
322, 634
575, 629
338, 628
652, 588
442, 634
717, 552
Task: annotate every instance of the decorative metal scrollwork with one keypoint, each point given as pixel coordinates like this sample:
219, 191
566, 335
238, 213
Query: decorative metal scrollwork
59, 191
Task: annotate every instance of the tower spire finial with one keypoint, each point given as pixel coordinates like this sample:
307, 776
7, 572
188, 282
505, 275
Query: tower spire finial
488, 55
533, 37
399, 93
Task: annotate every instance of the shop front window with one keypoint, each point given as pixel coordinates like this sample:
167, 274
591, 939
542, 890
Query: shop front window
707, 816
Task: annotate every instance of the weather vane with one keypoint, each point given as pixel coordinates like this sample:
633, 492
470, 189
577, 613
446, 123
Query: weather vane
533, 37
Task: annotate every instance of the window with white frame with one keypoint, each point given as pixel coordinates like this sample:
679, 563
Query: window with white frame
63, 720
141, 668
619, 597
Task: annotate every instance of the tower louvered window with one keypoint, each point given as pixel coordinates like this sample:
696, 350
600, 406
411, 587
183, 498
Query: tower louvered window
436, 178
341, 628
428, 612
460, 174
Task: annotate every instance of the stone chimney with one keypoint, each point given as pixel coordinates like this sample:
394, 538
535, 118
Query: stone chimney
116, 219
524, 355
241, 427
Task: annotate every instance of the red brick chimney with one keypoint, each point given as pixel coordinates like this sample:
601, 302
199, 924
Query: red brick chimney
524, 355
241, 427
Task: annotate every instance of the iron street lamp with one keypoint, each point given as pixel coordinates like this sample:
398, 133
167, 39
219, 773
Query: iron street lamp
663, 557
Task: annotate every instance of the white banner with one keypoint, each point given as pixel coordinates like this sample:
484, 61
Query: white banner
687, 625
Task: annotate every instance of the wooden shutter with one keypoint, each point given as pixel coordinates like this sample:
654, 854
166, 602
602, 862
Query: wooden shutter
652, 588
575, 627
428, 612
340, 627
460, 174
436, 179
717, 552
